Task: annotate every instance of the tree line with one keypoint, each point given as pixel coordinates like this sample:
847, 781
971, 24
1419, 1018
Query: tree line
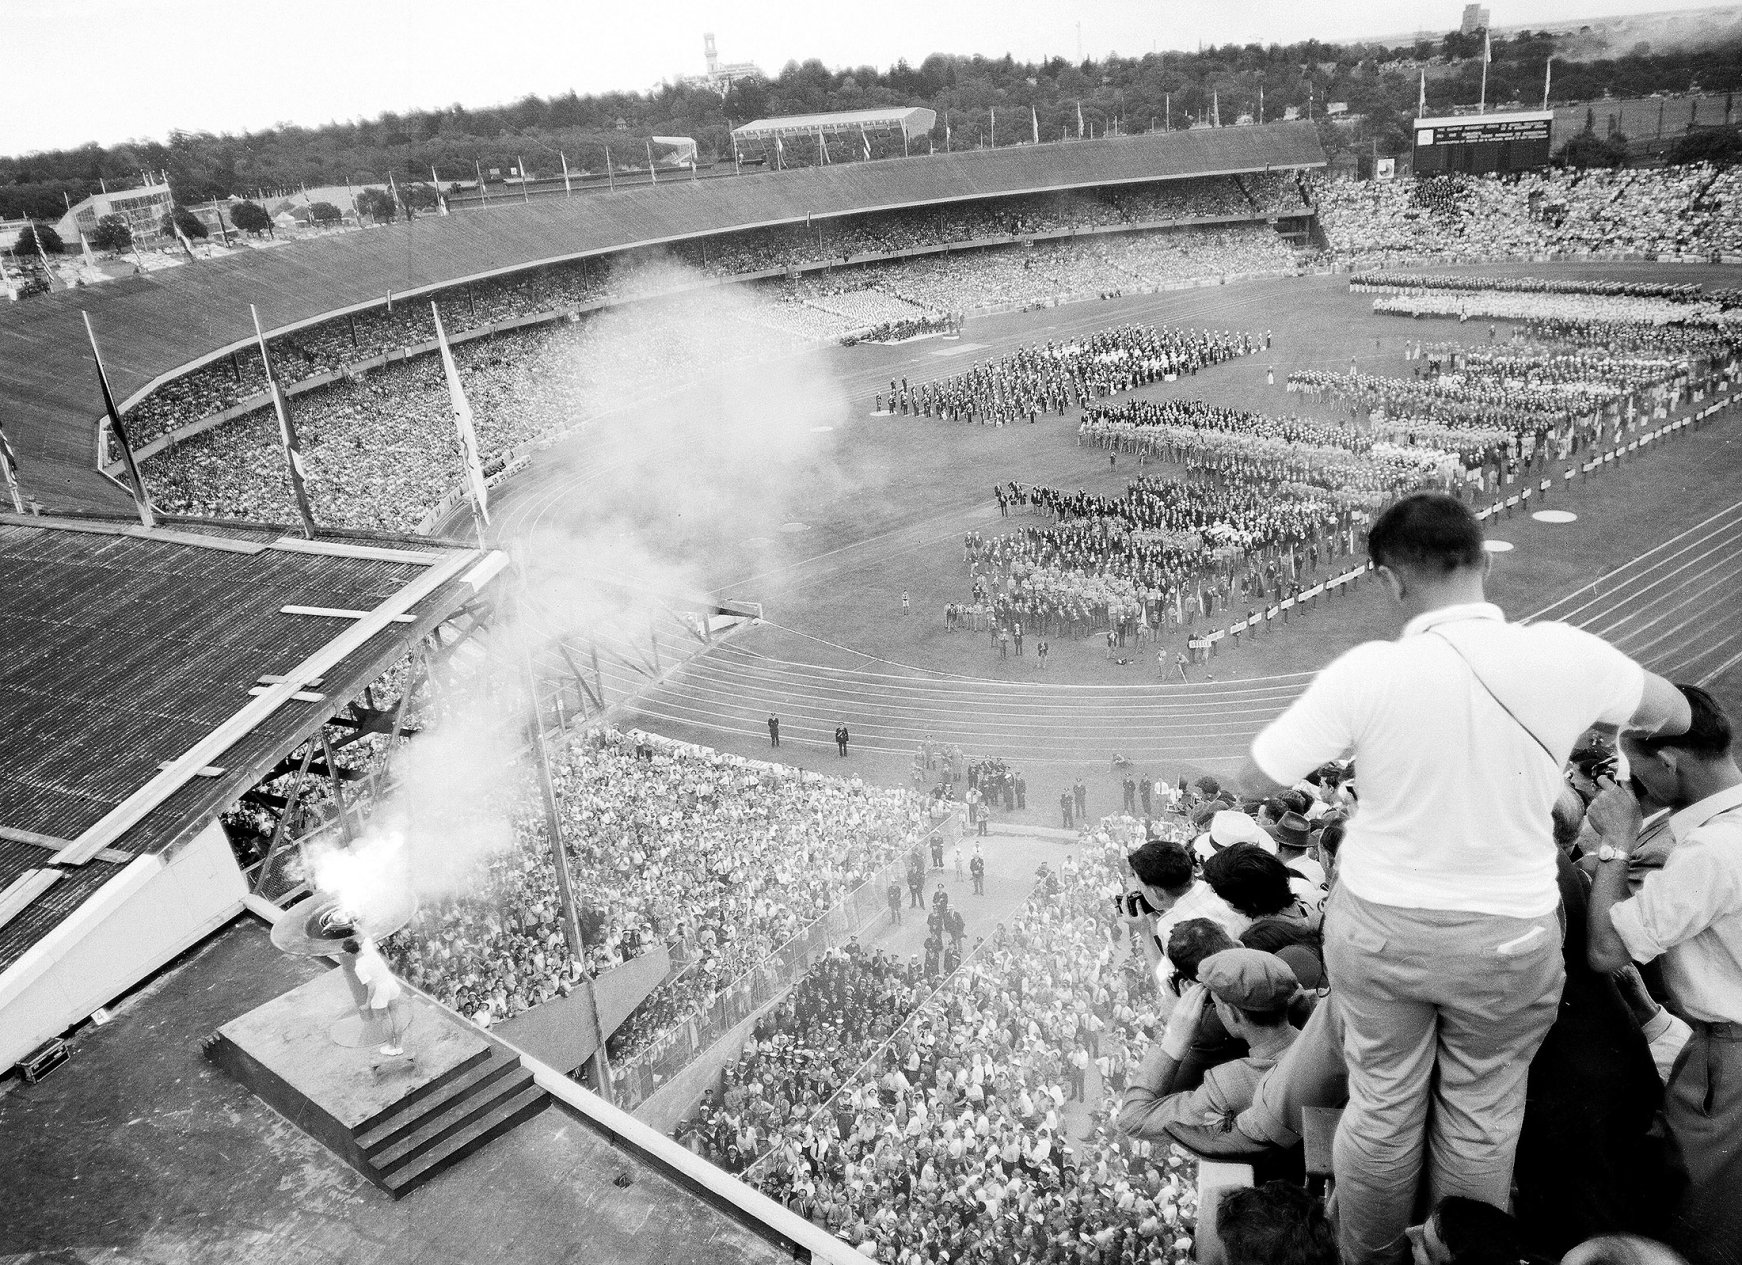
1125, 94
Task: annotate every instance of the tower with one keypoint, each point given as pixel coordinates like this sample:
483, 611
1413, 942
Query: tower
712, 57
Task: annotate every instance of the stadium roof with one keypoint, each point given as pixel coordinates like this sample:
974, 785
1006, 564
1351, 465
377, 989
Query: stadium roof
154, 327
127, 650
914, 120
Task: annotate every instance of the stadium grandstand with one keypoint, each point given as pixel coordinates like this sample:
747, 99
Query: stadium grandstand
770, 661
170, 323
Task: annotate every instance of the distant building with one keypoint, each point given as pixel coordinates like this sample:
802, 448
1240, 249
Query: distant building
1475, 19
143, 209
721, 75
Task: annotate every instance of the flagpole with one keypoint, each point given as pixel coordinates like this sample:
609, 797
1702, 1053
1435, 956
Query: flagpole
483, 192
610, 177
286, 432
141, 498
524, 195
652, 175
9, 463
463, 425
1487, 52
568, 189
1547, 76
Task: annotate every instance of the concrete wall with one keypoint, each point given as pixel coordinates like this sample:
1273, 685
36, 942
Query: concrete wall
148, 913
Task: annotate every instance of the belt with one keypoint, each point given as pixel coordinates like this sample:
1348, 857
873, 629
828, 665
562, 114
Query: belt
1717, 1031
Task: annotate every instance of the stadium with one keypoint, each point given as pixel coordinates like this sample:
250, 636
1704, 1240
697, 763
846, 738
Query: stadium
707, 647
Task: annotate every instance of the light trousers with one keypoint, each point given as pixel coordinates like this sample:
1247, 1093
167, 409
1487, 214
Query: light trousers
1442, 1012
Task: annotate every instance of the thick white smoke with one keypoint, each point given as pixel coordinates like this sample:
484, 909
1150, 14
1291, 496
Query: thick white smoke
705, 424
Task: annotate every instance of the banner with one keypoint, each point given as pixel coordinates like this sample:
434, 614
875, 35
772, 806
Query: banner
467, 433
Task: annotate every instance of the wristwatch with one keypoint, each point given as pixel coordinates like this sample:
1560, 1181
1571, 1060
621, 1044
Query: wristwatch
1608, 853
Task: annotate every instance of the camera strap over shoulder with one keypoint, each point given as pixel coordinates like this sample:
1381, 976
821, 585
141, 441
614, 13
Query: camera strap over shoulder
1499, 702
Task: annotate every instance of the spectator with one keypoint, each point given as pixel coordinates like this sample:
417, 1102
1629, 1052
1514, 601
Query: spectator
1250, 992
1442, 930
1277, 1223
1689, 913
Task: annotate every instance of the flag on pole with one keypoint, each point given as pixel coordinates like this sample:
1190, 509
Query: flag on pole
9, 464
181, 236
136, 485
946, 132
1548, 76
483, 191
779, 154
85, 246
610, 176
286, 432
525, 180
994, 137
395, 188
435, 182
1421, 98
652, 175
866, 141
1079, 120
468, 436
823, 145
1034, 118
568, 189
218, 210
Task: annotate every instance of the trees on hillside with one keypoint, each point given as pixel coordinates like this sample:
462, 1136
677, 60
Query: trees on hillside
251, 217
1587, 149
30, 235
192, 227
377, 205
112, 234
326, 213
1136, 93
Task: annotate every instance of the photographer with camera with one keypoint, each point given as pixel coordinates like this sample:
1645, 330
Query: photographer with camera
1441, 936
1689, 913
1163, 891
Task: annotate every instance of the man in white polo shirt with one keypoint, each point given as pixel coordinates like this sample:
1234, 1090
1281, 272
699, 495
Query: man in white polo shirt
1441, 937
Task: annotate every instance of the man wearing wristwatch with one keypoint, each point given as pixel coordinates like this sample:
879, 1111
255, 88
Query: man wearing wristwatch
1689, 913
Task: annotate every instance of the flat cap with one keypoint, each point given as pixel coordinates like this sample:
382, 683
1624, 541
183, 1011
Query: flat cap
1248, 978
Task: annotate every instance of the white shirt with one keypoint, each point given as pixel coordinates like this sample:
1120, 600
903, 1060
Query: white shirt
1690, 911
1455, 796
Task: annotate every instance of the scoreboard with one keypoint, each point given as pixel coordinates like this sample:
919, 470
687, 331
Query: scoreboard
1479, 143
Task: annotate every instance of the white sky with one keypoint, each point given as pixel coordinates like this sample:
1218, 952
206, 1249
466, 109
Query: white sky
107, 70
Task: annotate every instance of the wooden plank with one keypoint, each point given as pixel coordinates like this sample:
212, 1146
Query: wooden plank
343, 549
333, 612
273, 679
23, 890
225, 544
301, 696
210, 770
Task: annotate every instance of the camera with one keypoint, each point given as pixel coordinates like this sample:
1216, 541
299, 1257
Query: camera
1132, 904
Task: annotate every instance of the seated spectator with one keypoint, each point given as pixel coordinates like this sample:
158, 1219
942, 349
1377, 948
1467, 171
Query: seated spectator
1250, 992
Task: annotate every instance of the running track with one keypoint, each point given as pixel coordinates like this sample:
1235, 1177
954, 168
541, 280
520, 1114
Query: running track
1674, 608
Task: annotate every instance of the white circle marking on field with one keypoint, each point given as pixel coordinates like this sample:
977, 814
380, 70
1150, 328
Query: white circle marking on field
1497, 546
1555, 516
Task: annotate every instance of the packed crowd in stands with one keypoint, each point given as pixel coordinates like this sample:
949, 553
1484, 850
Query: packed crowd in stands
1673, 211
720, 858
953, 1143
1040, 380
330, 346
802, 1051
